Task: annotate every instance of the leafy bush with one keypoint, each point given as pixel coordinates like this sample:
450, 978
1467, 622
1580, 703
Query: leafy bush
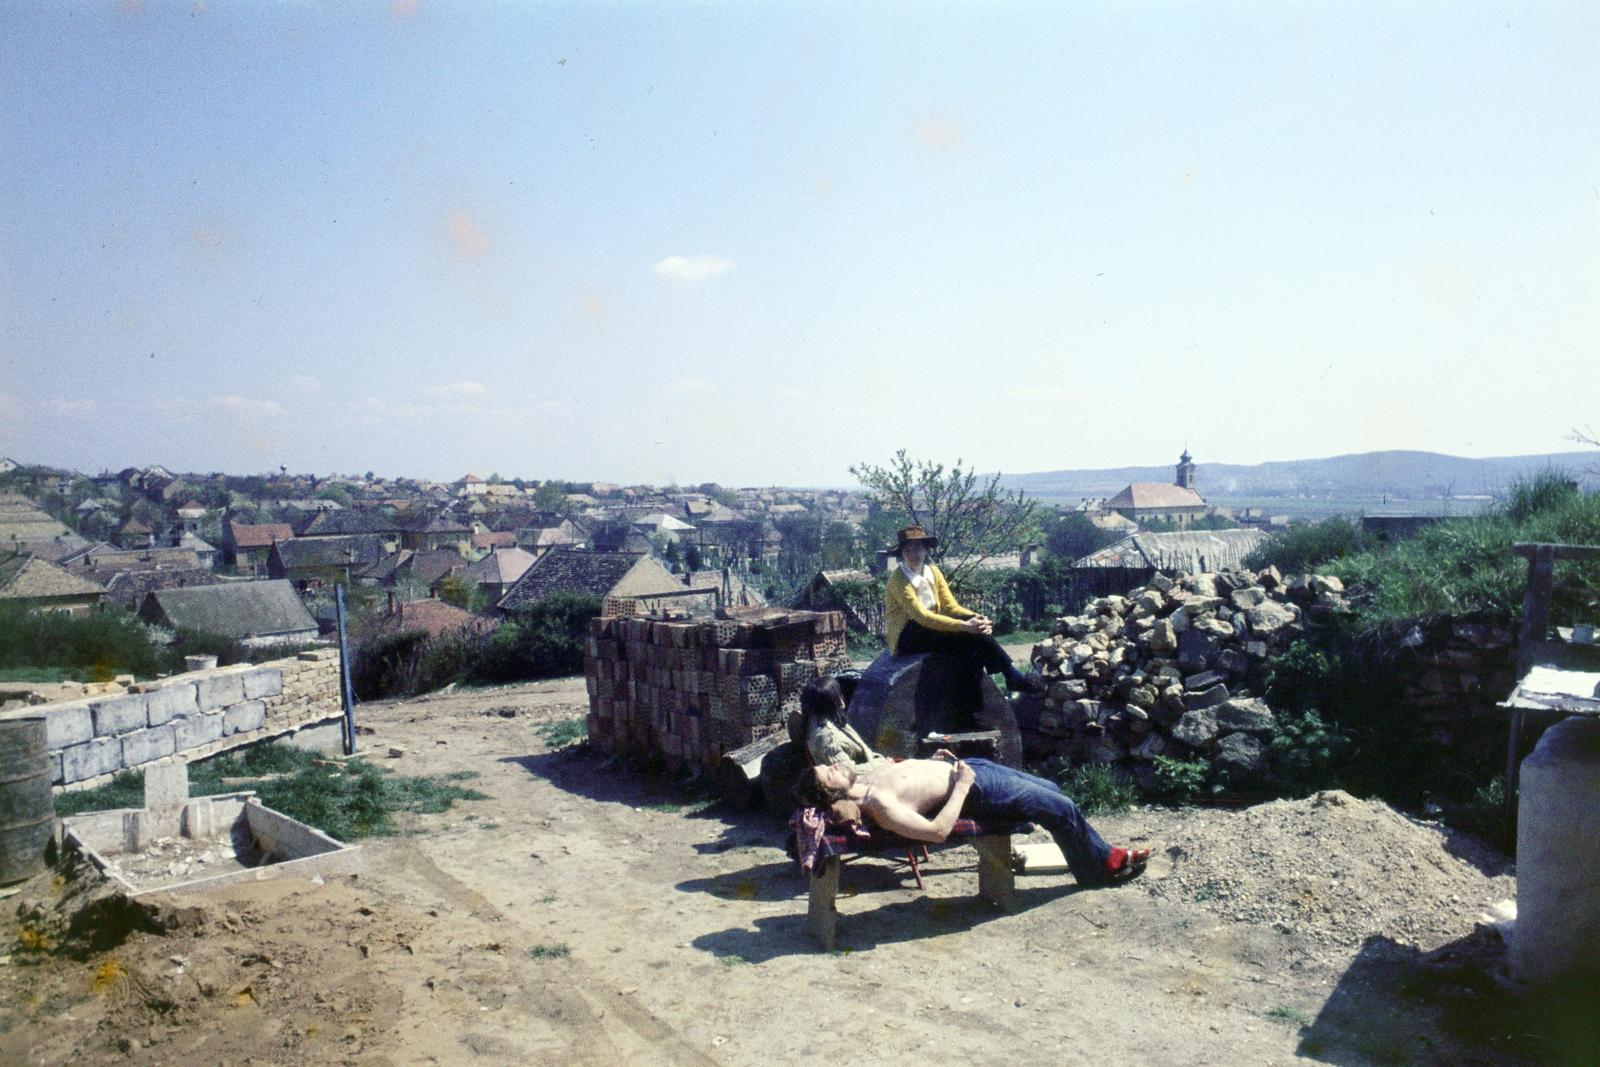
1484, 813
388, 665
1179, 779
1300, 549
1300, 676
1549, 490
95, 647
1305, 752
1097, 788
544, 641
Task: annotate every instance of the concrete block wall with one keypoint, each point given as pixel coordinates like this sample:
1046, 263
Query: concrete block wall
197, 714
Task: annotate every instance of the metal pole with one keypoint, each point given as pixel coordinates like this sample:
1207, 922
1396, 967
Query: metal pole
346, 693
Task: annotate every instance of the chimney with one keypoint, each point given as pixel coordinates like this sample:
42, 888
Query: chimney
393, 607
880, 562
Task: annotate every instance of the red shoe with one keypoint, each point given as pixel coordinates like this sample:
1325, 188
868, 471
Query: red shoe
1125, 864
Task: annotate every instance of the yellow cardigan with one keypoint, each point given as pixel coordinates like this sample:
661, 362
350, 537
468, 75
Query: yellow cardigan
902, 606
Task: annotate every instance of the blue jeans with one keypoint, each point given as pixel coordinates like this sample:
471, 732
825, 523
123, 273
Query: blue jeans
1003, 794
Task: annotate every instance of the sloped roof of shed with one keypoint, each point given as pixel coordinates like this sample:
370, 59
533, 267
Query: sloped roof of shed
234, 609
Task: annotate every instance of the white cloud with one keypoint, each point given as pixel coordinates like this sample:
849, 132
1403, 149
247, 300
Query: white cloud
245, 407
458, 389
690, 269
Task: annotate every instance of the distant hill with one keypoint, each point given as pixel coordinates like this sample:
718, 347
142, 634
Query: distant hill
1405, 475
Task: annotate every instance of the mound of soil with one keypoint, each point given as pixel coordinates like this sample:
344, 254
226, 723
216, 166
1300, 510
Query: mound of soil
1333, 869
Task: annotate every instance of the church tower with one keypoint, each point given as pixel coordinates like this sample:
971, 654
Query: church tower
1185, 470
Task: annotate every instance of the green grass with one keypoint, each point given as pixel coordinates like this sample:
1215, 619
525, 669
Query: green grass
125, 790
1466, 565
1288, 1016
46, 674
1206, 892
556, 950
563, 732
1097, 788
347, 801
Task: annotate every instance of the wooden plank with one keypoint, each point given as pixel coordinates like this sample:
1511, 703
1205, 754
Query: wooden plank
1535, 603
996, 881
821, 918
1530, 549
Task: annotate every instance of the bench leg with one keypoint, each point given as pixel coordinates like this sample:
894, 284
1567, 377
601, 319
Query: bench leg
996, 881
821, 918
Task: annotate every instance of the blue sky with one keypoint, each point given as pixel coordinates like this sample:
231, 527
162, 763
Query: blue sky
756, 244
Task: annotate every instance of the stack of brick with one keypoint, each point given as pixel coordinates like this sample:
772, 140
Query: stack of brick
687, 692
197, 714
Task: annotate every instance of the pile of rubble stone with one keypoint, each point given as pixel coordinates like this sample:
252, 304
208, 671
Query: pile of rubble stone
1176, 668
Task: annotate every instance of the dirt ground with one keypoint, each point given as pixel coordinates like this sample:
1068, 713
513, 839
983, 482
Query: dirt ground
589, 913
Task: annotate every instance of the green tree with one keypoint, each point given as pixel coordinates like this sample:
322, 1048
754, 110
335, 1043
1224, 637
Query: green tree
464, 594
336, 493
552, 496
1071, 536
974, 519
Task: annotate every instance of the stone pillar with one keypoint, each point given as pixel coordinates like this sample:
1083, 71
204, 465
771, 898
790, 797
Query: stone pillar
1557, 932
166, 791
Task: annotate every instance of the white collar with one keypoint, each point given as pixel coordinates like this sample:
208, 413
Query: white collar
915, 575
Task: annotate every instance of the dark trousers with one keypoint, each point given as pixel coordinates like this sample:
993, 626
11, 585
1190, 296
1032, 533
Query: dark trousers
1004, 794
975, 654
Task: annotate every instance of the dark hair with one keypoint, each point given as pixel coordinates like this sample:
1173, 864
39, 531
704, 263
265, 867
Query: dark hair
820, 699
809, 792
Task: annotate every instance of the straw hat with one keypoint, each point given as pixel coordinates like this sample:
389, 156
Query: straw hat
914, 533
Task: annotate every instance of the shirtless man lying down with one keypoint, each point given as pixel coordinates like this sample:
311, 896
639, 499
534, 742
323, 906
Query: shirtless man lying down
921, 799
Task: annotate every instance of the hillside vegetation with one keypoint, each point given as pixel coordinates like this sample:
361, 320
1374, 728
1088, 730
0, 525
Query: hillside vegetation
1349, 672
1457, 567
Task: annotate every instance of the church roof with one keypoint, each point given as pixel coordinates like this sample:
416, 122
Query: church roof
1155, 495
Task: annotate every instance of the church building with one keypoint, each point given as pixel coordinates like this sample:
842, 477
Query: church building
1177, 503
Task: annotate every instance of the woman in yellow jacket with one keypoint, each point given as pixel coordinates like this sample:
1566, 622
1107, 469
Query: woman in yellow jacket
922, 615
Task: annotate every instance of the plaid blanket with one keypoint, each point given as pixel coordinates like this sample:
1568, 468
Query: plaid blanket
813, 837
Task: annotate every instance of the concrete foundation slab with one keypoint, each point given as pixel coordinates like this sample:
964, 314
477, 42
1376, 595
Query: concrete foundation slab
226, 839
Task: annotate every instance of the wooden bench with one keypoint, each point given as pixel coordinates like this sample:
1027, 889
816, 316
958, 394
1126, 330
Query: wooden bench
996, 881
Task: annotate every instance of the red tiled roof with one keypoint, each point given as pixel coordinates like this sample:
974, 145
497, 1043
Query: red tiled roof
495, 539
434, 616
260, 536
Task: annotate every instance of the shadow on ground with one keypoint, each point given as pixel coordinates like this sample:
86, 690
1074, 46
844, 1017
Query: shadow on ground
865, 924
1396, 1005
584, 773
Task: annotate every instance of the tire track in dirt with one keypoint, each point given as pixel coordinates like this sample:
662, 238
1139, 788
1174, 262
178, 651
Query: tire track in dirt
593, 1022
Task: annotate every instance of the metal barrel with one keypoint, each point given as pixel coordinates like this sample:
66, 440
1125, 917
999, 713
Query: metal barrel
26, 806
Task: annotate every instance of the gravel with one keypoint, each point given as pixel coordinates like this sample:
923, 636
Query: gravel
1332, 869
